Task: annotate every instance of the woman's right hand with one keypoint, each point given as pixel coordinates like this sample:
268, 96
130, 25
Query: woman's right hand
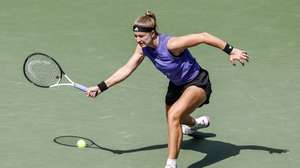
93, 91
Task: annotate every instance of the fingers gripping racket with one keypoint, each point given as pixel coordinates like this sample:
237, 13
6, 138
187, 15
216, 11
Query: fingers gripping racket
43, 71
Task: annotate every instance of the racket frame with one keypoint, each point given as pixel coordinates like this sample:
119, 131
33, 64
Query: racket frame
62, 74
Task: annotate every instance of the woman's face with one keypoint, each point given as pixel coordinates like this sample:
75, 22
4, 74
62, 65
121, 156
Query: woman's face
144, 38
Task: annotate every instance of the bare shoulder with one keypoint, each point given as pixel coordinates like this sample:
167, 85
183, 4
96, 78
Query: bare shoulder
172, 42
138, 54
180, 41
186, 41
138, 51
174, 45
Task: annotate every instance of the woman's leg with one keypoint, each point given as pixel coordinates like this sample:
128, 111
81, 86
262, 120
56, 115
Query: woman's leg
179, 113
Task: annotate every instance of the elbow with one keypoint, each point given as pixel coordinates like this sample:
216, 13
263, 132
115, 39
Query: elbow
204, 37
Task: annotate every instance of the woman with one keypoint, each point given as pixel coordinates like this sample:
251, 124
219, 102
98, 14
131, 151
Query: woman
189, 85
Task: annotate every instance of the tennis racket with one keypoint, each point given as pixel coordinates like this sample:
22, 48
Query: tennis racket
43, 71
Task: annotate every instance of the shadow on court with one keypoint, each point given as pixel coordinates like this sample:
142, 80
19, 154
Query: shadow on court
215, 151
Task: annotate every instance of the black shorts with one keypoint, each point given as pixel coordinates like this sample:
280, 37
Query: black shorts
202, 81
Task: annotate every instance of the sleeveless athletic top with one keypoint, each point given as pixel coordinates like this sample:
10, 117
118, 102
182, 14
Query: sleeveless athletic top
178, 69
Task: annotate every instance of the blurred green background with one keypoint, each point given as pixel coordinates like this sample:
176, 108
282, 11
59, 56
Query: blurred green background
254, 105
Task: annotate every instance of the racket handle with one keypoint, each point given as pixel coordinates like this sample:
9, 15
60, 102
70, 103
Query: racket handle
80, 87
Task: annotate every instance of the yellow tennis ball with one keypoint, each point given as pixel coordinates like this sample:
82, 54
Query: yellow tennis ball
81, 143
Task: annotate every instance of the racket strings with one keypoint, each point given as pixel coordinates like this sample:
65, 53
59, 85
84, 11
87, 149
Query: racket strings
42, 70
72, 141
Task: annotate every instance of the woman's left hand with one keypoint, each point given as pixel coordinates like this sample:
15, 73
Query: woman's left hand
238, 55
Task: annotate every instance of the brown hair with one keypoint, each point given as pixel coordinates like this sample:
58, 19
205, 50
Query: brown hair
147, 20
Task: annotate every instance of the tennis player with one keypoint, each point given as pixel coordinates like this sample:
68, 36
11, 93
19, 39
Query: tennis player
189, 84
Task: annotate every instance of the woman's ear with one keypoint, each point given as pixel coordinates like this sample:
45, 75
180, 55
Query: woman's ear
153, 34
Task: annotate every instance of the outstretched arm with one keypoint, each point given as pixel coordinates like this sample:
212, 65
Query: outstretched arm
263, 148
121, 74
178, 44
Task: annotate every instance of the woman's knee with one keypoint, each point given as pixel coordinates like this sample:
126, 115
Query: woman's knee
174, 117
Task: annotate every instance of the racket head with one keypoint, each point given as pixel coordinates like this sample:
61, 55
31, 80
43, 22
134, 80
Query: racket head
71, 141
42, 70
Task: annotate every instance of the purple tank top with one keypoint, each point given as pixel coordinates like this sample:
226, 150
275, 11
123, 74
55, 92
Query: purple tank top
178, 69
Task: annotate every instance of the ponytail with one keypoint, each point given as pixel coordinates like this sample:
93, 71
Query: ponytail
151, 14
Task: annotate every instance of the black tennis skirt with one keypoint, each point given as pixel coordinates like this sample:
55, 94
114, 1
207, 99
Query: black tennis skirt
202, 80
